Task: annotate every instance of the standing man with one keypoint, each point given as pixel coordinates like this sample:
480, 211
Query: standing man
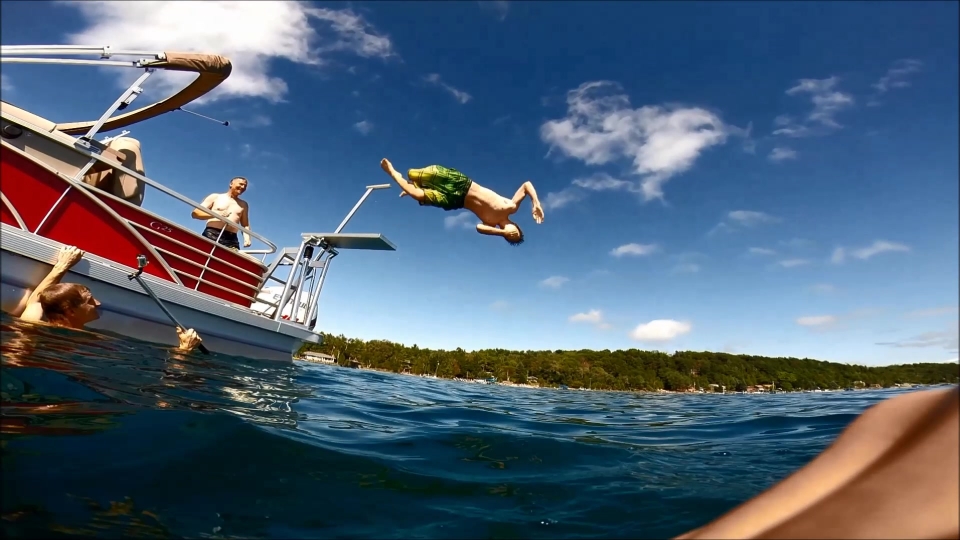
230, 206
451, 190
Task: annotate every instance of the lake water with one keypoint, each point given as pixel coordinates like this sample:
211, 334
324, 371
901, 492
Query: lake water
109, 437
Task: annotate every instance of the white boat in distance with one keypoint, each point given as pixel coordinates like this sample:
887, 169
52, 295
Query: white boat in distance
61, 186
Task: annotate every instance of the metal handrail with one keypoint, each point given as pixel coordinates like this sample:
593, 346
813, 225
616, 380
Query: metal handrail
156, 185
191, 248
104, 51
221, 287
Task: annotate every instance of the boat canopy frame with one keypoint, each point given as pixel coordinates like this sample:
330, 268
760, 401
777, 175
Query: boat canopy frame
211, 70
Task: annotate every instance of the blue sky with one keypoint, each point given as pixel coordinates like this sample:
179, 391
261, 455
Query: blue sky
766, 178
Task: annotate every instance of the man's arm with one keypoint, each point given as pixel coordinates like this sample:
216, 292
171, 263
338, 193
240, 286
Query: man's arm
245, 221
490, 231
525, 190
32, 310
407, 187
207, 203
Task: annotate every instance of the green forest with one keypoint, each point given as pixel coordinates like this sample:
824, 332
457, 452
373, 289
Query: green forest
628, 369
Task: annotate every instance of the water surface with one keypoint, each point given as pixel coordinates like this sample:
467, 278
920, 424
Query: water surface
111, 437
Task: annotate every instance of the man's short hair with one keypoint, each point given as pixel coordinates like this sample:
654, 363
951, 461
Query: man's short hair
518, 241
57, 299
235, 178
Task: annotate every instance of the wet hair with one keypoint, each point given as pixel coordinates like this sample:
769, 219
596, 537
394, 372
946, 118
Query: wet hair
57, 299
518, 241
235, 178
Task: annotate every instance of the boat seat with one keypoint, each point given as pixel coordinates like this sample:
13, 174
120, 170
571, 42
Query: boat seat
117, 183
39, 121
51, 127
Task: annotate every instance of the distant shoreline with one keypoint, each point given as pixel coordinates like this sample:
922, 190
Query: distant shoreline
661, 391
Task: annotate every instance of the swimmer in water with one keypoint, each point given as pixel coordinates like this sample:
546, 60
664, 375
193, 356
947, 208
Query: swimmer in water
72, 305
452, 190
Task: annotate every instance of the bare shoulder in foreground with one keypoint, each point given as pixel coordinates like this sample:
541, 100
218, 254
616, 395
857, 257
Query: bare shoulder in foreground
72, 305
893, 473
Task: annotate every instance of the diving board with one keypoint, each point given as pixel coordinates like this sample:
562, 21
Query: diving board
367, 241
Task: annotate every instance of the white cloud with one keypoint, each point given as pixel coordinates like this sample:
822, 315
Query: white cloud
601, 127
897, 74
5, 84
761, 251
836, 322
932, 312
465, 220
838, 256
660, 330
817, 320
604, 182
252, 34
779, 154
579, 188
594, 317
461, 96
554, 282
796, 243
500, 305
364, 127
878, 247
749, 218
633, 249
559, 199
822, 288
687, 268
792, 263
500, 7
742, 218
827, 102
949, 340
255, 121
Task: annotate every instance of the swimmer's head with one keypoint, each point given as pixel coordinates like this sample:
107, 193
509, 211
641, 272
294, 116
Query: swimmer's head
512, 233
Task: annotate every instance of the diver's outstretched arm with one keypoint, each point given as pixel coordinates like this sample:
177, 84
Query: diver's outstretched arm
525, 190
407, 187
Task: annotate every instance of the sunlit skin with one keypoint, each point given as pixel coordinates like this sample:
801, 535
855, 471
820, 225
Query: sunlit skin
493, 209
83, 313
230, 206
892, 473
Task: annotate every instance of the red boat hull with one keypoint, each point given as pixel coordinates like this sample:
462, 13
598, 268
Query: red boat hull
51, 206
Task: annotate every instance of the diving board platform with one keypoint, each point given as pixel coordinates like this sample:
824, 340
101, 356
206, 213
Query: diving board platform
367, 241
315, 252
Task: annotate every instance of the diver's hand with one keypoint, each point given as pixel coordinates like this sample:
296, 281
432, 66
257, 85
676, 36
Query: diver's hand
537, 212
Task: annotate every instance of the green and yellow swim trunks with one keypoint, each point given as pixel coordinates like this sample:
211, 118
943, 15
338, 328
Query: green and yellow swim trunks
442, 187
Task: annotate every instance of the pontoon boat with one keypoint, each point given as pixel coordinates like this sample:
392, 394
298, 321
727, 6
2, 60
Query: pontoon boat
61, 186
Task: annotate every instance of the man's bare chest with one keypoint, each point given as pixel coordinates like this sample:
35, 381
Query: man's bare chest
227, 205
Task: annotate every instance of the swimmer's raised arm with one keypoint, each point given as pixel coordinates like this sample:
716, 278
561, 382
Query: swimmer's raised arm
31, 310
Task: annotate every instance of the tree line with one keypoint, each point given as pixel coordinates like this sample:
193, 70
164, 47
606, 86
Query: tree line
631, 369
